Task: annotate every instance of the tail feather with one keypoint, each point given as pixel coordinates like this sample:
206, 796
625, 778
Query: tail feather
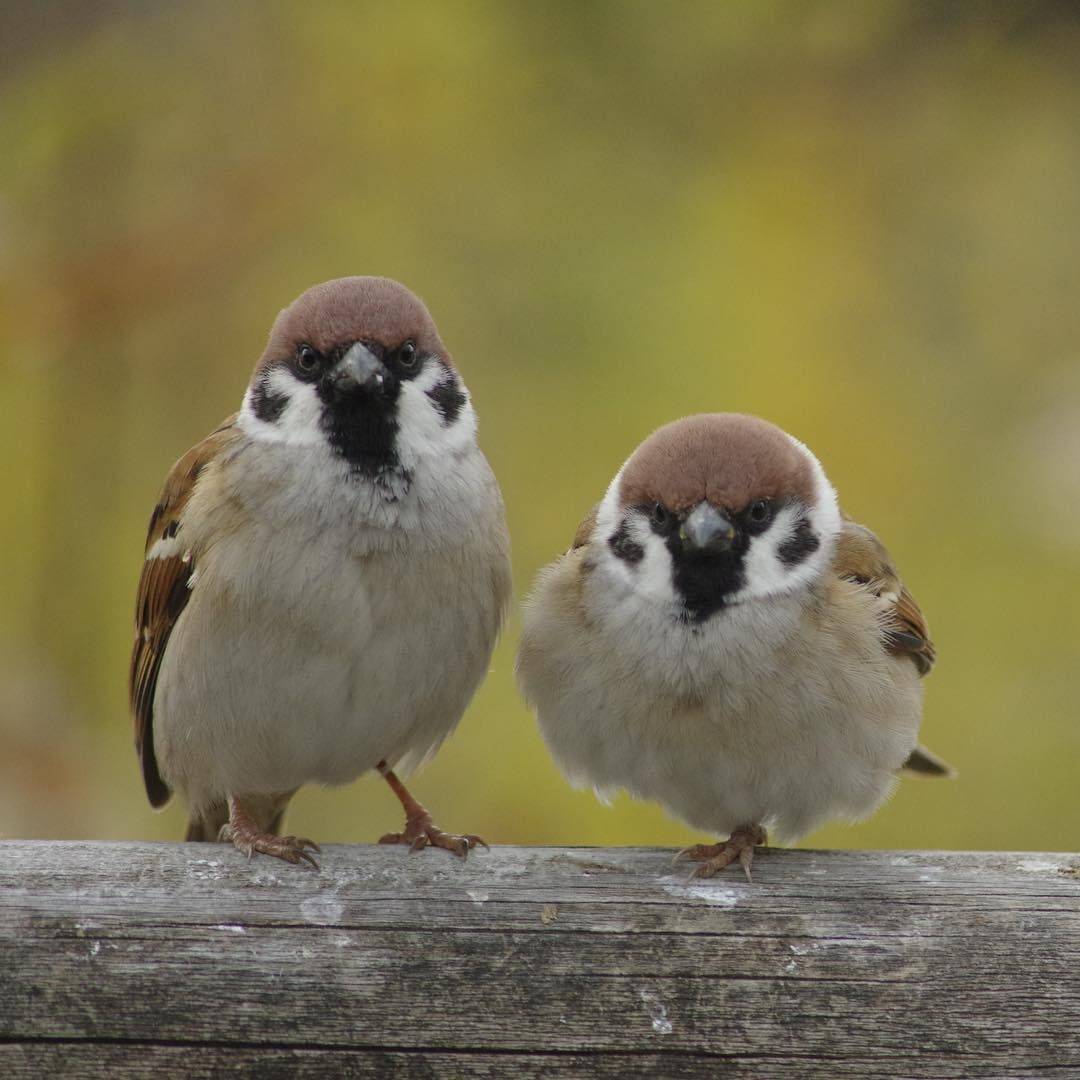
923, 762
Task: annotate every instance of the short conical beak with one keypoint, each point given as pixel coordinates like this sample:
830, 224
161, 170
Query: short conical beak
706, 528
358, 369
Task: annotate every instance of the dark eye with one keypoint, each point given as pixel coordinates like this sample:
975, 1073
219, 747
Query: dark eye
407, 356
760, 511
307, 359
660, 516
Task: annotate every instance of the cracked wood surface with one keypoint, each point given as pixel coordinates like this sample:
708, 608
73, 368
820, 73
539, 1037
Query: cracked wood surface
186, 960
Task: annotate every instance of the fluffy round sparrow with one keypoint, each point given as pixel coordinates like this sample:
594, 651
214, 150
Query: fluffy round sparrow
722, 639
325, 575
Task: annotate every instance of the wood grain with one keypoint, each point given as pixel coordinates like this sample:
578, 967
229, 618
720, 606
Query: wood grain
187, 960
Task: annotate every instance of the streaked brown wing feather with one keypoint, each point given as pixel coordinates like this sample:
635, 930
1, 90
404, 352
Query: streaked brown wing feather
162, 595
861, 557
911, 620
585, 529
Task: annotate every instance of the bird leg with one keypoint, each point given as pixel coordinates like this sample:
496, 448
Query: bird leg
713, 857
420, 830
242, 831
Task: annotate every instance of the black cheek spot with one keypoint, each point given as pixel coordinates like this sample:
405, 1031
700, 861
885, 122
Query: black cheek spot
447, 397
267, 404
801, 544
625, 548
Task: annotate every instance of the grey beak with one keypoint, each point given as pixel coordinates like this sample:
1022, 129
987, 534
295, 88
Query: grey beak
706, 527
358, 368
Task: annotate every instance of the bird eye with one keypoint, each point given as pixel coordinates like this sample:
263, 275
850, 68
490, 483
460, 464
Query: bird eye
760, 511
407, 356
307, 359
659, 515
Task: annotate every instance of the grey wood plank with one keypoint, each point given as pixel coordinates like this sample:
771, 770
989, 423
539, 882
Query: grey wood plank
204, 1062
538, 962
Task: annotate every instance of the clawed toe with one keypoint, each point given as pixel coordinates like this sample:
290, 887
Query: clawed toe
714, 857
291, 854
300, 842
695, 852
422, 832
458, 844
709, 867
291, 849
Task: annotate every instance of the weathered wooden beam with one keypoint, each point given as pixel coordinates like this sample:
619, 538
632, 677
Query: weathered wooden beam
186, 960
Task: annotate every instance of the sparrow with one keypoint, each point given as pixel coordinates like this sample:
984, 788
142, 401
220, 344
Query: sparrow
721, 639
325, 576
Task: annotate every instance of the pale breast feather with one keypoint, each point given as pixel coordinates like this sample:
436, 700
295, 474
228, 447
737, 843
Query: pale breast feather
164, 590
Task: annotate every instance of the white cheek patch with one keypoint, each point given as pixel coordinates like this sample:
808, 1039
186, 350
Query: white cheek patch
650, 577
298, 422
654, 575
421, 427
633, 600
422, 430
607, 514
766, 573
826, 515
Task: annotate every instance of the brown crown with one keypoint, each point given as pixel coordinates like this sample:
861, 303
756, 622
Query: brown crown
352, 309
730, 459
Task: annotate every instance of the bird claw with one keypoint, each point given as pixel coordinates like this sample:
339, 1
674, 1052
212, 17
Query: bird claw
421, 832
292, 849
695, 851
714, 857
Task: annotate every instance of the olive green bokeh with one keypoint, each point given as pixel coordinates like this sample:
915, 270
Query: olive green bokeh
857, 219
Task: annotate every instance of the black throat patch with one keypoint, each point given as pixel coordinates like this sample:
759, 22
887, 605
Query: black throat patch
361, 426
705, 580
365, 438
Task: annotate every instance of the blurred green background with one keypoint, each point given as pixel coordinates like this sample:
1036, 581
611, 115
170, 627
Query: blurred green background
859, 219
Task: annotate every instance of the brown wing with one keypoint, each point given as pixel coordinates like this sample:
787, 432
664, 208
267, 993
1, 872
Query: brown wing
585, 529
861, 557
162, 595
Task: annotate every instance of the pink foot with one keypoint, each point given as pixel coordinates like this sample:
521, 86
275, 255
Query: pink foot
714, 857
242, 831
421, 832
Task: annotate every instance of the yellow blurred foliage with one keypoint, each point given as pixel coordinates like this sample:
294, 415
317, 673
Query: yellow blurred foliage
858, 220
